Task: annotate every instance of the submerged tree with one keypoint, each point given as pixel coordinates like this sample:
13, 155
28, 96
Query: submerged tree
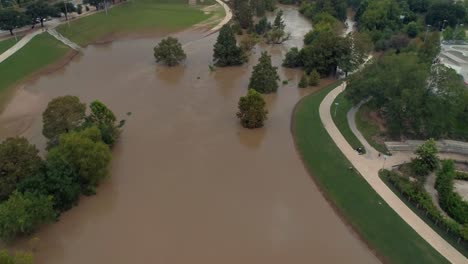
18, 161
277, 35
169, 51
252, 112
304, 82
62, 115
104, 119
87, 156
264, 76
244, 15
22, 213
226, 51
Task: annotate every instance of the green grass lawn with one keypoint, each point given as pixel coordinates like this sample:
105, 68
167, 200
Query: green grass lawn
132, 16
341, 119
378, 224
41, 51
369, 129
6, 44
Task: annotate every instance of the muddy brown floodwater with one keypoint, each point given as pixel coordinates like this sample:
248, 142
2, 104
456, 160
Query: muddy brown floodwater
188, 184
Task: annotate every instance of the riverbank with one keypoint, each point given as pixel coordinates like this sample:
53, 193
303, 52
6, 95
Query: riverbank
138, 17
41, 55
380, 227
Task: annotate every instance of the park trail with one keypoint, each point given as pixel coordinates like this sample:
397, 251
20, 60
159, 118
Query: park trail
188, 184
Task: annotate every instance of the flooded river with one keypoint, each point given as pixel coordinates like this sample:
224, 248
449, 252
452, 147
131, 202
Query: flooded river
188, 184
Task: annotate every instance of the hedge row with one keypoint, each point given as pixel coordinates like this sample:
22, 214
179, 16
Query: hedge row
417, 195
460, 175
450, 201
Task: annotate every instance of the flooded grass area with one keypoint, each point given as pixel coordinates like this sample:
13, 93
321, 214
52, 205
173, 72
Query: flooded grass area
136, 15
393, 239
188, 183
42, 51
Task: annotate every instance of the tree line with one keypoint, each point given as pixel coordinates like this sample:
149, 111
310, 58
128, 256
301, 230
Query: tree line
36, 190
18, 14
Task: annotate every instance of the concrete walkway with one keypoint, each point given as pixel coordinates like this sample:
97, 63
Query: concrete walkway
226, 18
369, 168
63, 39
6, 54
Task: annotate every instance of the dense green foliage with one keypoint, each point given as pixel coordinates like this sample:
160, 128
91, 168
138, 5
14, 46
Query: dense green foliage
314, 78
62, 115
226, 51
412, 98
426, 158
336, 8
252, 112
22, 213
264, 77
17, 258
11, 19
324, 54
18, 161
104, 119
169, 51
263, 26
77, 161
304, 82
397, 242
292, 58
86, 154
450, 201
41, 10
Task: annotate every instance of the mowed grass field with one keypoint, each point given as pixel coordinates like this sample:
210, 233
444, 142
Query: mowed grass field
41, 51
341, 119
7, 43
376, 222
134, 15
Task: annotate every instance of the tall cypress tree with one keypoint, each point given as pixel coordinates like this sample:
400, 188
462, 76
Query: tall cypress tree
264, 76
226, 51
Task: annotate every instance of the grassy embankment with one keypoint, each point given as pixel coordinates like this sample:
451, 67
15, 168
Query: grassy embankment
41, 51
368, 129
7, 43
341, 119
376, 222
135, 15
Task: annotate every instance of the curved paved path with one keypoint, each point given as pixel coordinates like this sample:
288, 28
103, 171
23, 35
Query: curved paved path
369, 168
226, 18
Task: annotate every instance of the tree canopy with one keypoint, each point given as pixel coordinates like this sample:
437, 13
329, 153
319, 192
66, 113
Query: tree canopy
18, 161
226, 51
169, 51
62, 115
85, 153
252, 112
413, 98
22, 213
264, 75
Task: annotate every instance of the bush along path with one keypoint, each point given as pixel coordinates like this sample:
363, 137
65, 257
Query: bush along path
369, 169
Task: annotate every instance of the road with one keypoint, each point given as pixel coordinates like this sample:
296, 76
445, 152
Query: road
369, 169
